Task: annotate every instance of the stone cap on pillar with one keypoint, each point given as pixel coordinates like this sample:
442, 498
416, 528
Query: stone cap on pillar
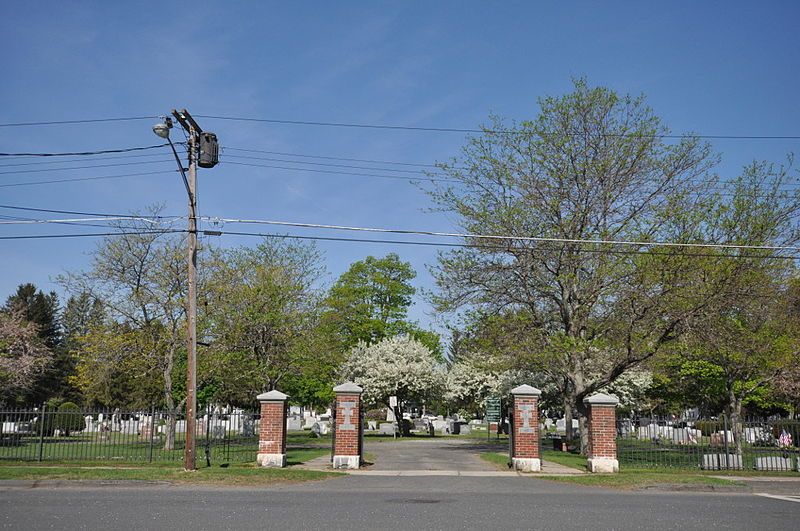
272, 396
525, 390
601, 399
348, 388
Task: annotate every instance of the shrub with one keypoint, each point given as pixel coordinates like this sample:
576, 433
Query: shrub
69, 418
49, 423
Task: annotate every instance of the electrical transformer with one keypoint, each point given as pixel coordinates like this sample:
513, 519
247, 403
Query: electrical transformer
209, 150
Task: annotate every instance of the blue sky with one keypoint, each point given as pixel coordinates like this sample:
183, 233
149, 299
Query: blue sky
708, 67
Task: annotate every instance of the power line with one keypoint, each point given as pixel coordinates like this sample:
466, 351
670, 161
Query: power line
421, 178
714, 182
115, 164
84, 153
76, 179
466, 245
77, 213
68, 161
535, 239
371, 161
92, 234
71, 220
101, 225
83, 121
482, 131
328, 164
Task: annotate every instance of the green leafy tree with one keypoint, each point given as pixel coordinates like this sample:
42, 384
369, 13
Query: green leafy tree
260, 318
38, 308
370, 302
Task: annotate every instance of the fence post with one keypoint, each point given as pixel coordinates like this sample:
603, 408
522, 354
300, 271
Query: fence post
41, 431
152, 429
208, 435
725, 438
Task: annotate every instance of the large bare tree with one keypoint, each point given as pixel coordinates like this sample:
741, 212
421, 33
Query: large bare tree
140, 277
594, 165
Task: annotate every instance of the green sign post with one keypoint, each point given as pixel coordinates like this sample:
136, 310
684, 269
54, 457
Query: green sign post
493, 414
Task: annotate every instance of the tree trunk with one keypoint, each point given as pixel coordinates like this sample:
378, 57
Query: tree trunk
169, 440
583, 426
735, 408
568, 402
398, 415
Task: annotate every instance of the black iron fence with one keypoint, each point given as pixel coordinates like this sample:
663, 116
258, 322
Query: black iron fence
149, 436
716, 444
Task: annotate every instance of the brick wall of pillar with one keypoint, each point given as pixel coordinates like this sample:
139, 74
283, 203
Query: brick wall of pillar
602, 417
272, 430
526, 426
348, 416
525, 437
602, 431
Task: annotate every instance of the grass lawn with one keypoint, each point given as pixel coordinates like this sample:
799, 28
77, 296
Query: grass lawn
562, 458
233, 474
626, 478
565, 458
639, 479
238, 474
496, 458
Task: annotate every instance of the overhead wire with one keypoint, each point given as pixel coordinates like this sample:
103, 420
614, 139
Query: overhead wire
714, 182
79, 121
77, 179
356, 125
86, 167
85, 153
90, 234
334, 172
534, 239
370, 161
466, 245
327, 164
484, 130
79, 213
81, 160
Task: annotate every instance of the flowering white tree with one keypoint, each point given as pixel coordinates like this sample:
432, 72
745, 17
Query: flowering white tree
631, 388
23, 356
471, 380
399, 366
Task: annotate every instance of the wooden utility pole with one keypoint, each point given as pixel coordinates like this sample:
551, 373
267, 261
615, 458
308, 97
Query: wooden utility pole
189, 457
203, 151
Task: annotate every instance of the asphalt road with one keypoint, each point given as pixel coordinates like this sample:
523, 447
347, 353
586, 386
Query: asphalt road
357, 502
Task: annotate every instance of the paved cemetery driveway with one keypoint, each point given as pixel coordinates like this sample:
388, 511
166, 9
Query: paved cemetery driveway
435, 453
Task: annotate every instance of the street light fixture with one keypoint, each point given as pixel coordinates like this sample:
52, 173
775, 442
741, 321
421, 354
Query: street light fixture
162, 130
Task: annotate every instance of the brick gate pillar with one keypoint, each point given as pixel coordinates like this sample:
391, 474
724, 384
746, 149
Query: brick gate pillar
347, 439
272, 430
525, 439
602, 433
